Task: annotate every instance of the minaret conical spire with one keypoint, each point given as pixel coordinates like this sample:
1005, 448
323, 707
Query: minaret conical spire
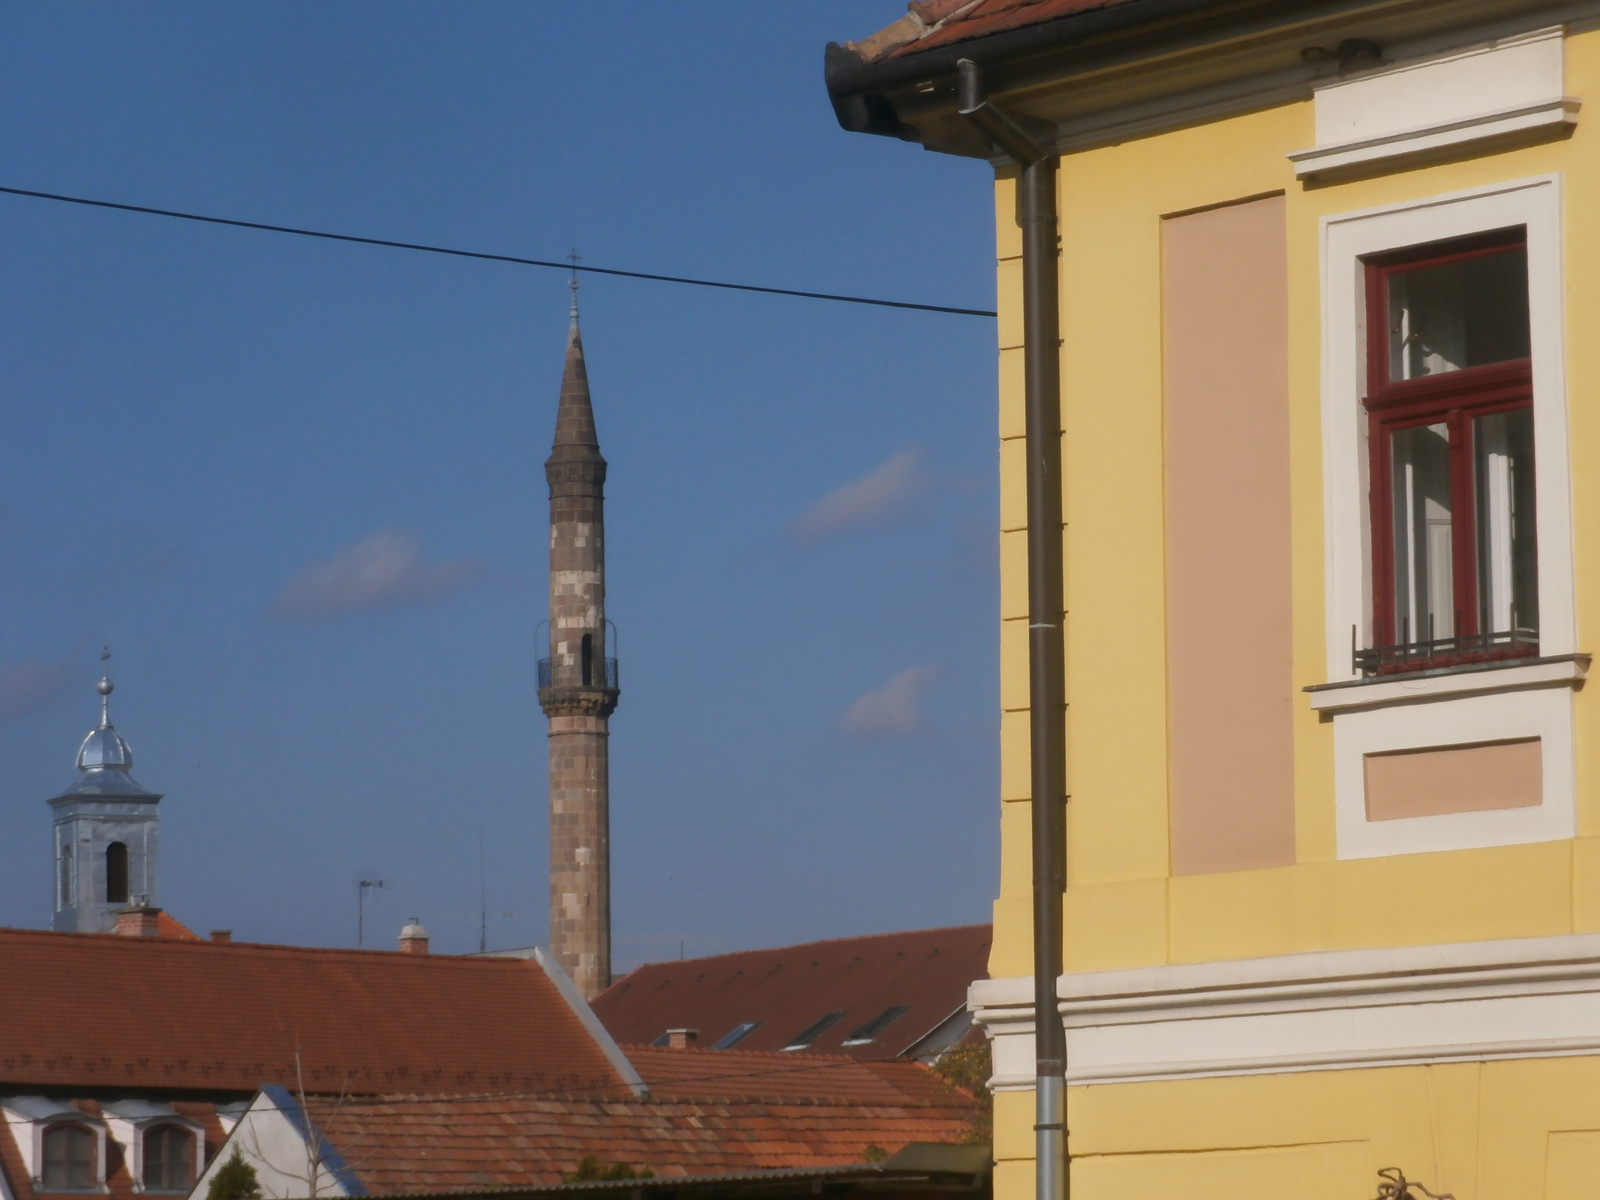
576, 441
578, 688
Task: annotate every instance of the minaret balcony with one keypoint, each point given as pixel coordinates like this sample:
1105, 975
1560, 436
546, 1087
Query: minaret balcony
572, 675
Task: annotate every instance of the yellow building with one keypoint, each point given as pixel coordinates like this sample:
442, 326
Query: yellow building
1329, 280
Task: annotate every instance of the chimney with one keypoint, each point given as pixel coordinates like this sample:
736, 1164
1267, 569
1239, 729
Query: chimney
139, 920
414, 938
222, 936
682, 1039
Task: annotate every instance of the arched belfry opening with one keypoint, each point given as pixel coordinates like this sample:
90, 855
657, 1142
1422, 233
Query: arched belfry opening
117, 873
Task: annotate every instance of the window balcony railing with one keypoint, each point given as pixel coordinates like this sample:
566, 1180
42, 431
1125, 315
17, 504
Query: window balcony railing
573, 676
1443, 653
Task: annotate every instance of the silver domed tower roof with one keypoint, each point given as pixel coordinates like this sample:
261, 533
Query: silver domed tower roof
104, 759
104, 748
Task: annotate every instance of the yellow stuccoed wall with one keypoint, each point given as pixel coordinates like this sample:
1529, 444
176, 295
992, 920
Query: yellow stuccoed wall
1481, 1130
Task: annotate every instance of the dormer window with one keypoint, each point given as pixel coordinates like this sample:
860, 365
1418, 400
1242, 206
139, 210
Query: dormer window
168, 1159
70, 1154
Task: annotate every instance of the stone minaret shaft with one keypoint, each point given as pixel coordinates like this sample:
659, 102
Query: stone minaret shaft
579, 692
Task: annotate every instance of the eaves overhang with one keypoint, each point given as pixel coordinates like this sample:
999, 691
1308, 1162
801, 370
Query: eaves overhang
1112, 72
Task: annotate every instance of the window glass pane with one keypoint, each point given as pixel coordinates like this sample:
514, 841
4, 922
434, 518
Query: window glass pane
155, 1159
55, 1158
1424, 601
1458, 314
80, 1150
1508, 555
68, 1157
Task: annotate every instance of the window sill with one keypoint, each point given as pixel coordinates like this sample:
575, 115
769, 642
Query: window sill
1561, 670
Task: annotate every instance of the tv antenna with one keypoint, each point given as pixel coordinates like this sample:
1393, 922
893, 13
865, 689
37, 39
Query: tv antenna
361, 906
483, 899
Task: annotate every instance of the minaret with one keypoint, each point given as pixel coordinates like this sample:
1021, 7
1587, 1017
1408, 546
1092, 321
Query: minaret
578, 686
106, 834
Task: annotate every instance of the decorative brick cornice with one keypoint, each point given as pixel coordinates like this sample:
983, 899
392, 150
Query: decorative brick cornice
578, 701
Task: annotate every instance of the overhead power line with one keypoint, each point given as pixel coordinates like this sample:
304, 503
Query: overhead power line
505, 258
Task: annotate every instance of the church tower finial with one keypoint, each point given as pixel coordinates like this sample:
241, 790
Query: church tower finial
578, 685
105, 687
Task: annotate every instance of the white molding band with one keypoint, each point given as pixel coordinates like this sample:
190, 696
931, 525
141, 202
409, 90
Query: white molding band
1330, 1010
1508, 89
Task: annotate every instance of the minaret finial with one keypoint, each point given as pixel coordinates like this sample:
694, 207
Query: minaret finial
104, 687
573, 284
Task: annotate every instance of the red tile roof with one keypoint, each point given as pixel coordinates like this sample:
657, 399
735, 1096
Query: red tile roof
420, 1143
789, 988
934, 23
97, 1011
171, 927
768, 1075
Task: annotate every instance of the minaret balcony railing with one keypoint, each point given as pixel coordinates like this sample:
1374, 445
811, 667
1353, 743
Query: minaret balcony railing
573, 676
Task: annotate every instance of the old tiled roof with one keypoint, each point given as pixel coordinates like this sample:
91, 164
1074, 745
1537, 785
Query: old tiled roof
97, 1011
771, 1075
790, 988
171, 927
929, 24
418, 1143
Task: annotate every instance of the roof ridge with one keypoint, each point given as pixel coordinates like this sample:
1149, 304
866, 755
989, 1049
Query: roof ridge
279, 947
864, 937
818, 1059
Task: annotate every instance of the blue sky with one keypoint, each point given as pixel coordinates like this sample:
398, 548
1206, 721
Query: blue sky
298, 485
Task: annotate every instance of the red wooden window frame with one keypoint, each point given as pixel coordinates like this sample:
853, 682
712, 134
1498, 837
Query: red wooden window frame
1456, 399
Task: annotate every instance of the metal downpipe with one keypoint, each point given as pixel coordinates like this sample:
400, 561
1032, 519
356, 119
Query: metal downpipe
1036, 213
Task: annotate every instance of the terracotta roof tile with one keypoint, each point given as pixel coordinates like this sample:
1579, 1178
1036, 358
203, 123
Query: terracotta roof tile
209, 1017
171, 927
788, 988
934, 23
727, 1074
420, 1143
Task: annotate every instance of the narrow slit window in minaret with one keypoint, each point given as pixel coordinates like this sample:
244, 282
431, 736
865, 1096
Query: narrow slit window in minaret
588, 659
116, 873
66, 875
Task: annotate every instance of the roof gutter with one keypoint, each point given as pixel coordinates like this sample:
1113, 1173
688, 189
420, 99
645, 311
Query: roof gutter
1047, 684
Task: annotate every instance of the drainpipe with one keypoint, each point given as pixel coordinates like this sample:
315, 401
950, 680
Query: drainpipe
1046, 609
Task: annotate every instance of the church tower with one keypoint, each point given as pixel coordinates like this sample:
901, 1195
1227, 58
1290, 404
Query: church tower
107, 848
578, 686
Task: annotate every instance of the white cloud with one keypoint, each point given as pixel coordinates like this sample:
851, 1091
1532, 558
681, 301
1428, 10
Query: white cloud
876, 494
893, 710
381, 571
27, 686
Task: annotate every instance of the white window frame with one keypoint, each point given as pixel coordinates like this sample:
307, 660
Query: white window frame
130, 1120
1520, 700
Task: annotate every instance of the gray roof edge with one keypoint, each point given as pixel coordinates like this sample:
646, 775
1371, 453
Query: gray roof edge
585, 1014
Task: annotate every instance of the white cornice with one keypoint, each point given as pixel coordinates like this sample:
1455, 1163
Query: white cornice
1524, 998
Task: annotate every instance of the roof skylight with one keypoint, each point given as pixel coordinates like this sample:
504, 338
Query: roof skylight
870, 1031
813, 1031
735, 1035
